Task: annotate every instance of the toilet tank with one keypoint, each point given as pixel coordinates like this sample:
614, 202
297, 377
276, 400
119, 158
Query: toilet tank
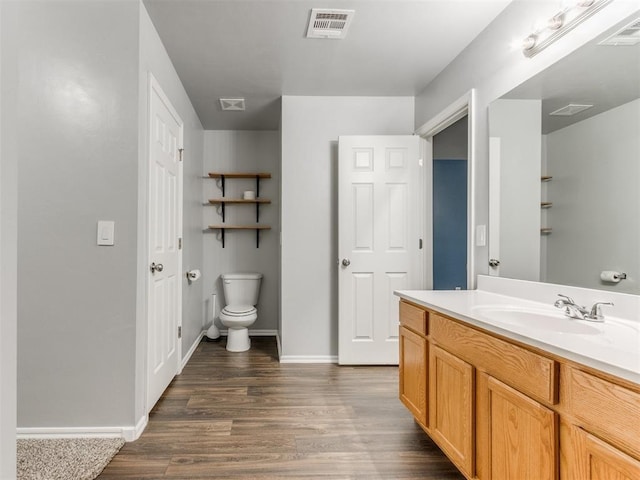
241, 288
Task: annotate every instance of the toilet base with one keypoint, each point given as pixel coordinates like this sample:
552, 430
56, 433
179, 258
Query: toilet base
238, 340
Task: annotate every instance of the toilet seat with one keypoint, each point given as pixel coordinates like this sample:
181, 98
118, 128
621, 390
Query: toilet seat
238, 310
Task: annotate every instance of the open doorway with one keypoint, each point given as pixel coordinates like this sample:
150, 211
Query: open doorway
450, 152
453, 195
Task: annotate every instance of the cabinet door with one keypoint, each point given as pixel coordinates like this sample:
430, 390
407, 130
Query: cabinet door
520, 434
595, 459
451, 407
413, 373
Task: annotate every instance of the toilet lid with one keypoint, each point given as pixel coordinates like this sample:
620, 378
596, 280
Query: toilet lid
238, 310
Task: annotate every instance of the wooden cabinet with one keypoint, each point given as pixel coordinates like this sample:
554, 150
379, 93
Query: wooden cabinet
603, 423
503, 410
516, 436
451, 407
413, 373
595, 459
413, 386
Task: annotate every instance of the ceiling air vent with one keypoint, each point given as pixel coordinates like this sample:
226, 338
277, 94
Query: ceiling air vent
232, 104
329, 23
626, 36
570, 109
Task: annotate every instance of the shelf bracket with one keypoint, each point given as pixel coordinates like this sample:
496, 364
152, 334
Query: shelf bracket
258, 186
222, 184
222, 232
222, 207
257, 238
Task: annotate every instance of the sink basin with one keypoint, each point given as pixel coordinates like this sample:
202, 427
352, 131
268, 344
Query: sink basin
533, 319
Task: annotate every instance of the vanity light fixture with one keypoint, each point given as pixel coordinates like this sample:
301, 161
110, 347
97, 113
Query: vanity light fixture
559, 24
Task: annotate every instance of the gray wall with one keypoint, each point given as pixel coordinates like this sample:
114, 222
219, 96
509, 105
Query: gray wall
310, 130
452, 142
596, 200
78, 163
243, 151
492, 68
82, 142
8, 249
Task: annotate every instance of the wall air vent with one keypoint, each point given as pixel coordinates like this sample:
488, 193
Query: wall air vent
626, 36
232, 104
570, 109
329, 23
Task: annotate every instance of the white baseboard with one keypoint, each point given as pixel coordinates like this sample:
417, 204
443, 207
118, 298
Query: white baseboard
256, 333
279, 345
133, 434
187, 357
129, 433
308, 359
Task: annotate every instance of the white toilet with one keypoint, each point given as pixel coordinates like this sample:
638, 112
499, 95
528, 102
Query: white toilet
241, 294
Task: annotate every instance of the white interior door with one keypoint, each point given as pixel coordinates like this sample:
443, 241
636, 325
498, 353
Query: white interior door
379, 242
165, 223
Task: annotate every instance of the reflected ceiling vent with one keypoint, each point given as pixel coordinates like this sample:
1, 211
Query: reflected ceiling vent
626, 36
570, 109
329, 23
232, 104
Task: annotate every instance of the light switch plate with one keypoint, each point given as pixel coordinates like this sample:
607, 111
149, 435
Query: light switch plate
481, 235
106, 232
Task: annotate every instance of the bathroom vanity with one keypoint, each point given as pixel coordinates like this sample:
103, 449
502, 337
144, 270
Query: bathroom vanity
510, 388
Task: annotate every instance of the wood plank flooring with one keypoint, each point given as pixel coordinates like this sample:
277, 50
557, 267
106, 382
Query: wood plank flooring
245, 416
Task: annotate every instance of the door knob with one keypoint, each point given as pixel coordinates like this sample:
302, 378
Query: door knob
346, 262
494, 262
156, 268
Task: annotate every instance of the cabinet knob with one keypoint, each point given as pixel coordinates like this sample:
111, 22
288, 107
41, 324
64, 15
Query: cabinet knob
346, 262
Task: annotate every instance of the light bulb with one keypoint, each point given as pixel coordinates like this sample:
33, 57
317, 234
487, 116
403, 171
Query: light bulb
529, 42
556, 21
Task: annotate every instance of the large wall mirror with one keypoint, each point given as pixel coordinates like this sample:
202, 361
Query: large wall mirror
565, 168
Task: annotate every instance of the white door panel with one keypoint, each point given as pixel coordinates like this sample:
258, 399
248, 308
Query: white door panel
165, 206
379, 232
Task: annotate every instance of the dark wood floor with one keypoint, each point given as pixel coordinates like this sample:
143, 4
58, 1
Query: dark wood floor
245, 416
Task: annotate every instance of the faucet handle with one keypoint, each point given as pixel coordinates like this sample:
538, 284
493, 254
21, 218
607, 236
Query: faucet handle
596, 313
567, 299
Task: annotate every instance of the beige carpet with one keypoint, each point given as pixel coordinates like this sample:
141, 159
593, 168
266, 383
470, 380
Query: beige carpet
65, 458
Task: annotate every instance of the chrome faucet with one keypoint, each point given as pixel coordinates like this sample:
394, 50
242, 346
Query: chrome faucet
573, 310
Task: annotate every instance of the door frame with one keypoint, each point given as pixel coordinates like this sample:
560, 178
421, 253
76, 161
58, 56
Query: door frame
465, 105
143, 268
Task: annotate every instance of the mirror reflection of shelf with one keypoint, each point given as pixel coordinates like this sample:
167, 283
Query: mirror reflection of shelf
545, 230
546, 204
545, 178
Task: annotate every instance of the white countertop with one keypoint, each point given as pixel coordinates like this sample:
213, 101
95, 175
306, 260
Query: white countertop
612, 346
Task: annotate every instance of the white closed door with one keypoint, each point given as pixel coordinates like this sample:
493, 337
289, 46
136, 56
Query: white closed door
165, 220
379, 205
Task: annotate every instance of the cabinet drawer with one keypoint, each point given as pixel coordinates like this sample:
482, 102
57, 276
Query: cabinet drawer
605, 408
414, 318
524, 370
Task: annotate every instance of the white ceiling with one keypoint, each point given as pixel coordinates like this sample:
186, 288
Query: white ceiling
258, 50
